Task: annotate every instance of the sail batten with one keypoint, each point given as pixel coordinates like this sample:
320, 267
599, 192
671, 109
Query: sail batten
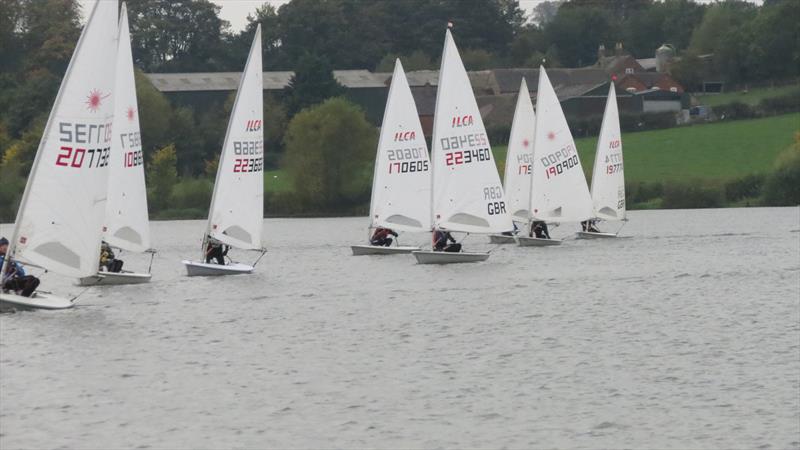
236, 214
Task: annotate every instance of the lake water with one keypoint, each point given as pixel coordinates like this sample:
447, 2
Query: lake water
685, 335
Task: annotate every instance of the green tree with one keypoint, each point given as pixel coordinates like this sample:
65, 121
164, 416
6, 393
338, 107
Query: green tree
312, 83
576, 32
329, 153
154, 114
782, 186
718, 20
162, 174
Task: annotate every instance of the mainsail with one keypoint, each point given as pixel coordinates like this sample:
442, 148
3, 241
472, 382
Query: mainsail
127, 226
60, 218
467, 195
608, 178
401, 183
236, 215
558, 192
517, 181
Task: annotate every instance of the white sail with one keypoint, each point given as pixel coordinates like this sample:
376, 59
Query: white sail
401, 185
236, 215
60, 219
127, 225
467, 194
608, 178
517, 181
558, 192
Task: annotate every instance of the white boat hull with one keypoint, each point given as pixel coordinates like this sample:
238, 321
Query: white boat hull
39, 300
502, 239
115, 278
360, 250
201, 269
538, 242
431, 257
590, 235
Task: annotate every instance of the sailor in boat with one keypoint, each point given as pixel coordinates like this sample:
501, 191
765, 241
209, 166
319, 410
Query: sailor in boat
442, 242
109, 261
215, 250
590, 226
15, 278
539, 229
381, 237
513, 232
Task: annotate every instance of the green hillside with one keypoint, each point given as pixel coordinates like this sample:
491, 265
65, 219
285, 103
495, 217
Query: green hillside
718, 151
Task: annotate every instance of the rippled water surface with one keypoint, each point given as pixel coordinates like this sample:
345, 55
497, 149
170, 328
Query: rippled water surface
686, 334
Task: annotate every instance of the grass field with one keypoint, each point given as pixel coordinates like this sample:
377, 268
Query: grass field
717, 151
752, 97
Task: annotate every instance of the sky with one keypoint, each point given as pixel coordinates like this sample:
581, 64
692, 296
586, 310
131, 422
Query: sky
236, 11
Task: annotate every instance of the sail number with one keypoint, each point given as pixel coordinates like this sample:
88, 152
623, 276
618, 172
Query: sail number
247, 165
467, 156
75, 157
494, 196
134, 159
613, 168
248, 148
524, 162
408, 160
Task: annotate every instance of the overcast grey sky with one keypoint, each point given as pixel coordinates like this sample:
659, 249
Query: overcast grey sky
236, 11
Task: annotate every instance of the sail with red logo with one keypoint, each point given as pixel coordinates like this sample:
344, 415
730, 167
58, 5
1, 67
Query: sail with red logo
236, 216
401, 182
608, 178
559, 192
467, 195
127, 226
517, 180
60, 218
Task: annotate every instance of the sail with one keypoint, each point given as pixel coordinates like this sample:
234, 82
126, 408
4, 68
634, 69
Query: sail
467, 195
608, 178
558, 191
401, 185
127, 225
520, 157
60, 219
236, 215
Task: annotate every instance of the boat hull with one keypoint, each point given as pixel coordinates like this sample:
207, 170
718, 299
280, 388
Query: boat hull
502, 239
538, 242
201, 269
590, 235
361, 250
431, 257
115, 278
39, 300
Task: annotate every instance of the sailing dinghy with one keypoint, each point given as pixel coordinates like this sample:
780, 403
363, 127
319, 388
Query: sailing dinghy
608, 178
127, 226
517, 180
236, 216
401, 183
60, 218
467, 195
558, 186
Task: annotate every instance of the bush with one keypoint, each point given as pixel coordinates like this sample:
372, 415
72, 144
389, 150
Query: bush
192, 193
162, 174
642, 192
646, 121
734, 111
498, 134
782, 187
748, 186
781, 105
697, 194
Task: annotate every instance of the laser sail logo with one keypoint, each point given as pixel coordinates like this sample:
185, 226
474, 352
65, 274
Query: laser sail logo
95, 99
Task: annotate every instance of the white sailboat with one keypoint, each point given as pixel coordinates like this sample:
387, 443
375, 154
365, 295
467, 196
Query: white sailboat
127, 225
236, 215
467, 195
60, 217
558, 189
517, 180
608, 178
401, 182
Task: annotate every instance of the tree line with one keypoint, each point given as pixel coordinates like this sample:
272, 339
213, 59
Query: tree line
312, 37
